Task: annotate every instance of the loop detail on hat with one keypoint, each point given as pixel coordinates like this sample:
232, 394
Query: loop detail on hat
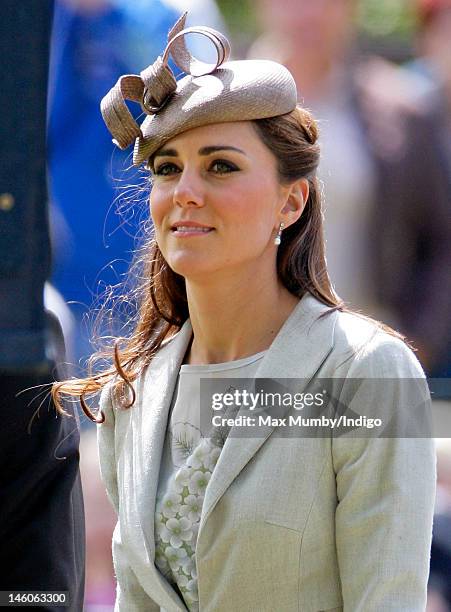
115, 113
159, 83
187, 62
155, 85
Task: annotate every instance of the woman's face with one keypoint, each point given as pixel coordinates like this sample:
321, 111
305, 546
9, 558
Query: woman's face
216, 200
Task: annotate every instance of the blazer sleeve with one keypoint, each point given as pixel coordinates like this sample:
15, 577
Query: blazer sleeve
130, 596
385, 491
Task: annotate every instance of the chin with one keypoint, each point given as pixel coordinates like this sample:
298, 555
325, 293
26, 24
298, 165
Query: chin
190, 265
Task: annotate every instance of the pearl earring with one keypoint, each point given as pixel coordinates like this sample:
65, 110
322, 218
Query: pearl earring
278, 238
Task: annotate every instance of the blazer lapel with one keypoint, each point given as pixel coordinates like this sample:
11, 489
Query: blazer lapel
154, 395
298, 351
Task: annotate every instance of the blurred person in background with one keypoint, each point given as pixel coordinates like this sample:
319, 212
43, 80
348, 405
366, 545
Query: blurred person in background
41, 514
433, 64
94, 42
388, 228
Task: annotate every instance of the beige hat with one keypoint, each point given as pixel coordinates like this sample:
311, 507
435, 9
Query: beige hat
211, 93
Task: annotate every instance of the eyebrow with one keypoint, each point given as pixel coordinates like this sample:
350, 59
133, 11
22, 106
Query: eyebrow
202, 151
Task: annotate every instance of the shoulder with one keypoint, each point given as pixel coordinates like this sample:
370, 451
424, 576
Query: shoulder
361, 344
106, 403
321, 341
152, 373
376, 376
332, 343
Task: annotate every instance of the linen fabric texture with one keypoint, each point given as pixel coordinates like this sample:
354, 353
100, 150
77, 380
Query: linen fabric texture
299, 524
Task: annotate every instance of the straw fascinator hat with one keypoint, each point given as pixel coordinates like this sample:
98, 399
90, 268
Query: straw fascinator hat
210, 93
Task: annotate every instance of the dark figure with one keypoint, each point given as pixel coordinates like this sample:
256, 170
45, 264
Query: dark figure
41, 511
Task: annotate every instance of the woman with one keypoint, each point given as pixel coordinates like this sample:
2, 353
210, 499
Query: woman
235, 286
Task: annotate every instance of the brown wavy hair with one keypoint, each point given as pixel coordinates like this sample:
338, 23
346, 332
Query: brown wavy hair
159, 294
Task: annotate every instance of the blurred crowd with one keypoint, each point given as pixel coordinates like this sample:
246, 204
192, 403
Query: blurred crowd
385, 171
385, 166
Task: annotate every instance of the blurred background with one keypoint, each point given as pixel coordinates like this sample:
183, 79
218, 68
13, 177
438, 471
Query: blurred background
376, 74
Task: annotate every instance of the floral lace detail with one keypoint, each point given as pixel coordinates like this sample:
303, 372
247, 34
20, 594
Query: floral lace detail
177, 520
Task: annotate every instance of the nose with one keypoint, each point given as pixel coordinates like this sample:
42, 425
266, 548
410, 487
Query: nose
188, 191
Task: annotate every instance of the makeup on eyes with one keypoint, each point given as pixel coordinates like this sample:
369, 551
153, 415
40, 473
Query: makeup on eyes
230, 167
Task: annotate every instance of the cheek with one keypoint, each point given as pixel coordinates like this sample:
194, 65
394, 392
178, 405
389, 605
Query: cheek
159, 208
251, 218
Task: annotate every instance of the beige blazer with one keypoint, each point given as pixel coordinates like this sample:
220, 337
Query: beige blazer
299, 524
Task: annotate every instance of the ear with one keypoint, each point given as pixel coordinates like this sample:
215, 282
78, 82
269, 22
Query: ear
295, 196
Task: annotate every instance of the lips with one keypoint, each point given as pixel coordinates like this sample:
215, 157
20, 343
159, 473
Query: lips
190, 227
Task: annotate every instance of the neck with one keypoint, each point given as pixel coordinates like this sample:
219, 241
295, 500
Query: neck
236, 316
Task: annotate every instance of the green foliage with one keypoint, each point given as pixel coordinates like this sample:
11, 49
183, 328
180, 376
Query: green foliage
240, 18
377, 19
387, 18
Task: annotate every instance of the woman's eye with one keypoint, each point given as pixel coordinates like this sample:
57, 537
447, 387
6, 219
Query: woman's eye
217, 167
166, 169
223, 167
